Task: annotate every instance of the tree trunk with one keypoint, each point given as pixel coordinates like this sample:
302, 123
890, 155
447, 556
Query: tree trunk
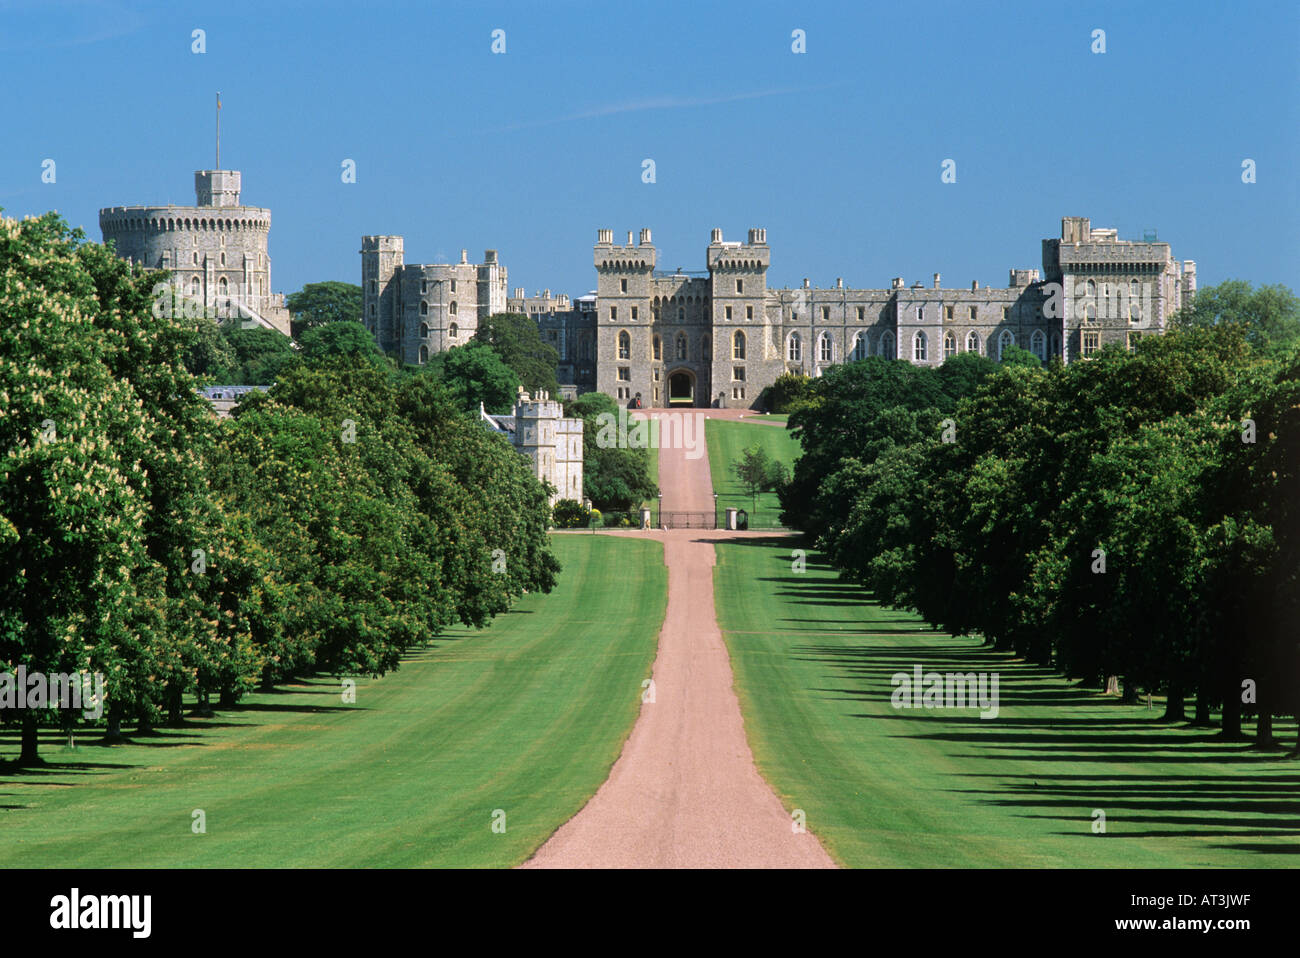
1264, 727
1174, 704
175, 707
113, 733
227, 699
31, 740
1202, 709
1130, 695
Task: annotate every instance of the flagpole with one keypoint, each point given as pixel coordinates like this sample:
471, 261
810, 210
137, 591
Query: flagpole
218, 129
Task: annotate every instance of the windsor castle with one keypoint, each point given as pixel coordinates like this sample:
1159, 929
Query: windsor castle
717, 337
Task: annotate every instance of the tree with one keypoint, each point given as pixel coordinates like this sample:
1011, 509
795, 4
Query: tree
317, 304
1269, 315
475, 374
260, 355
338, 339
615, 473
517, 340
754, 470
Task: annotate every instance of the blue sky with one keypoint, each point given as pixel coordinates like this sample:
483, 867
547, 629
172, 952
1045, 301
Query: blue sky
837, 152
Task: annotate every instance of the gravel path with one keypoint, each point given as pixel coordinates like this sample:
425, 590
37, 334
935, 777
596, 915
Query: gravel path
685, 792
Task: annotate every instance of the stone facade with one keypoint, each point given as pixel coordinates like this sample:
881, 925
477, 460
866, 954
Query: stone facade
417, 310
719, 336
539, 430
216, 250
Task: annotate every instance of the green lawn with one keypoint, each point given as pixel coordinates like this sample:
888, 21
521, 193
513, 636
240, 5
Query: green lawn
813, 660
526, 716
727, 439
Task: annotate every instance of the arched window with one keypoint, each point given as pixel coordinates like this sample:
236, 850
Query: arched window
424, 354
453, 330
681, 314
949, 345
624, 345
658, 349
452, 310
824, 349
681, 345
1090, 303
1038, 344
424, 309
194, 287
918, 347
1134, 301
1005, 342
887, 346
738, 345
424, 330
223, 257
972, 342
223, 286
861, 347
794, 349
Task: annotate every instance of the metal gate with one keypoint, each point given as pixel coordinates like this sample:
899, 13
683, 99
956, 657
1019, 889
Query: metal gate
689, 520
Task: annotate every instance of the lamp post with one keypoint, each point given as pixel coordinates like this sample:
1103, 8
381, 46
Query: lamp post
659, 516
715, 510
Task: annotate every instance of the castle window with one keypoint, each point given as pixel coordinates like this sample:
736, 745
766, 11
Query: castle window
452, 310
681, 315
862, 313
738, 345
374, 283
740, 286
1090, 344
624, 374
634, 314
1133, 339
453, 286
1005, 342
824, 348
972, 342
424, 330
194, 287
749, 312
947, 312
196, 257
1090, 302
1038, 344
1134, 301
681, 346
826, 312
794, 349
453, 330
920, 312
223, 286
860, 347
974, 314
372, 305
949, 345
223, 257
622, 286
728, 312
918, 347
1006, 313
613, 313
738, 373
424, 309
424, 354
624, 345
424, 286
887, 348
656, 349
655, 376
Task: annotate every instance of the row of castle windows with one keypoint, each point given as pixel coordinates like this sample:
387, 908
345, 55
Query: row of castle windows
424, 308
920, 346
187, 224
